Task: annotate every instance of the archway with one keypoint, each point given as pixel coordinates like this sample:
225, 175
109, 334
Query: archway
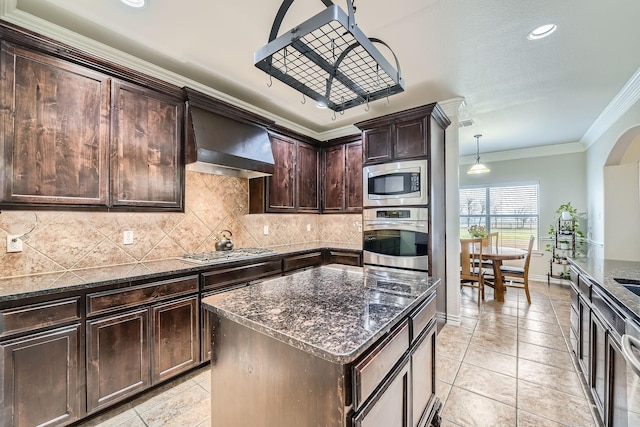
622, 198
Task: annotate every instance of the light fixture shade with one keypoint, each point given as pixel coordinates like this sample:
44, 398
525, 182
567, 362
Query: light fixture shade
477, 169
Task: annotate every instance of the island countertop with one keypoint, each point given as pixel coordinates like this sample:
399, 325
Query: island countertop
334, 312
603, 271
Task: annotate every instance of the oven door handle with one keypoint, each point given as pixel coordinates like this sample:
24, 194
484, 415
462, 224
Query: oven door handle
403, 223
627, 343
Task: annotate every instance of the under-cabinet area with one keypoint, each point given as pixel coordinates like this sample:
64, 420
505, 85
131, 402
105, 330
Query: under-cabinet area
350, 346
110, 333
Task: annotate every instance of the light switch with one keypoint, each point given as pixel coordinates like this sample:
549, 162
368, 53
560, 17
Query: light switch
266, 230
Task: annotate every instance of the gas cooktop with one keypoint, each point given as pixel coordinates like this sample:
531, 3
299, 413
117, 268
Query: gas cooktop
219, 256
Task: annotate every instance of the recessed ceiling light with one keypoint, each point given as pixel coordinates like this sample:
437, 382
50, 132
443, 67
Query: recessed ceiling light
134, 3
321, 104
542, 31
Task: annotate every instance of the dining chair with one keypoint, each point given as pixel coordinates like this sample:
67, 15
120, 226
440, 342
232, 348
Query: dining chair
491, 242
522, 273
471, 274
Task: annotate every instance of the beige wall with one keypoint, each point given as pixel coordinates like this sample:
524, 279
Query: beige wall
561, 179
70, 239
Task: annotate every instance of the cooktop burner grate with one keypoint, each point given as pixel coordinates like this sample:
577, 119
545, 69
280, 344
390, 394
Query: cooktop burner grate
218, 256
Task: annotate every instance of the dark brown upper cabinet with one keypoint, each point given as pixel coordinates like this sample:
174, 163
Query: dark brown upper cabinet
400, 136
294, 185
342, 176
80, 132
146, 139
55, 129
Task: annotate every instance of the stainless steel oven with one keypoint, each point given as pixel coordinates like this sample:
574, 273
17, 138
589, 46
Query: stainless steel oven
396, 237
395, 184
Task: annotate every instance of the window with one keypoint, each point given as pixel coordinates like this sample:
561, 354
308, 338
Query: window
509, 209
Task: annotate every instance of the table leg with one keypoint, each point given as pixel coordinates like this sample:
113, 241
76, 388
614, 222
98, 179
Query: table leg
498, 283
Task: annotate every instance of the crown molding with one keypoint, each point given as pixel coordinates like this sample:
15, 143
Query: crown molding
452, 107
525, 153
628, 96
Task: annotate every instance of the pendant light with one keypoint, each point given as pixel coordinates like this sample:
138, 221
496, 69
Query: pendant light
478, 168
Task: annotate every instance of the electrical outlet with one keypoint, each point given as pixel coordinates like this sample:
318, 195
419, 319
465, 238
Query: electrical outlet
14, 243
265, 230
127, 237
308, 227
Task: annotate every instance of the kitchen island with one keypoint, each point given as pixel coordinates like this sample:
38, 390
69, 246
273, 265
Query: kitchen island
328, 346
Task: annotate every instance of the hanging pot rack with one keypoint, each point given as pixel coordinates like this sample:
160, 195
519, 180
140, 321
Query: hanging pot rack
329, 59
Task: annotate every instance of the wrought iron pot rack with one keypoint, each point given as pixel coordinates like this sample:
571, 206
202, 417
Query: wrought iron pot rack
329, 59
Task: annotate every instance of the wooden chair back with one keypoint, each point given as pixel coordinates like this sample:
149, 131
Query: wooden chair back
527, 260
470, 252
492, 240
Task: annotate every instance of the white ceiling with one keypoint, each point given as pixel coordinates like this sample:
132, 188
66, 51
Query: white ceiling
519, 93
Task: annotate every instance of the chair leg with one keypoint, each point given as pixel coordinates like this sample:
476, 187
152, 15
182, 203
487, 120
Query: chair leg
526, 290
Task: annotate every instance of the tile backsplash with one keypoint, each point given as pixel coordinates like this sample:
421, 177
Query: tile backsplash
63, 240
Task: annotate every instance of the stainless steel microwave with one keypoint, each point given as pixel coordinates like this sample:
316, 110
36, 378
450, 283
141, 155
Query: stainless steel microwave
395, 184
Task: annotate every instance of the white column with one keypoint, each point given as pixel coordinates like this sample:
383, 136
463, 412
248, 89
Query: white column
451, 107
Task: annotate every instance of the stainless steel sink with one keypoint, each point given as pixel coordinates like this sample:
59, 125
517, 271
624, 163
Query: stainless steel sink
632, 284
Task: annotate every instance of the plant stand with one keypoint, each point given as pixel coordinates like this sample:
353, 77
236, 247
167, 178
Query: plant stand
562, 247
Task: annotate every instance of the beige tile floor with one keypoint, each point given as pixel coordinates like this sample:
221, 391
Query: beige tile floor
508, 364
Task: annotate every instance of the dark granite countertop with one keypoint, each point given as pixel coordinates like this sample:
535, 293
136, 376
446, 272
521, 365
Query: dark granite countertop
334, 312
14, 288
602, 271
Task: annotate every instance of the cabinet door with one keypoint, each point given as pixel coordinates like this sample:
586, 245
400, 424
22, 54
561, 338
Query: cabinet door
117, 358
410, 139
146, 148
617, 400
598, 363
377, 144
390, 407
584, 338
307, 174
353, 173
423, 378
53, 147
176, 343
334, 179
281, 185
39, 379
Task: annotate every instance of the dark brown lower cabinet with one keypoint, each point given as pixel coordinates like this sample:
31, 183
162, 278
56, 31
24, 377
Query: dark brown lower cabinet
122, 358
40, 379
176, 343
390, 407
117, 357
423, 377
598, 362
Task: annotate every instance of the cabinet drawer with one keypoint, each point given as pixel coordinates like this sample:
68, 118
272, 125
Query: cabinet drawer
346, 258
585, 287
102, 302
422, 315
301, 261
36, 316
614, 319
242, 273
371, 371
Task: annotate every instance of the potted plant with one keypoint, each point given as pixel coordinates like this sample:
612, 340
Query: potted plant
563, 244
478, 231
569, 223
564, 260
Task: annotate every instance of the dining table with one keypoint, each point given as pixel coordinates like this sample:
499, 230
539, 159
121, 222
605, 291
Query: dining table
497, 254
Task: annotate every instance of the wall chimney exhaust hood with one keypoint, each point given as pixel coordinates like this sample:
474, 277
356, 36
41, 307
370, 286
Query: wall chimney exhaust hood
225, 140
